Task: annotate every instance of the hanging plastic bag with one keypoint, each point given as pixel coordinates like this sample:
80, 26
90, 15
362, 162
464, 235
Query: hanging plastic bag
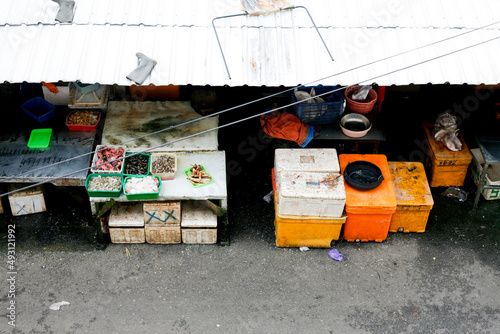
456, 193
362, 93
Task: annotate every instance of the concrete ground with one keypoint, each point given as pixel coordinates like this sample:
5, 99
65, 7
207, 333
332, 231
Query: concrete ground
446, 280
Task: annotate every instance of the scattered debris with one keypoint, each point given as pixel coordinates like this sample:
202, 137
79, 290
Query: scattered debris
269, 197
335, 254
304, 249
128, 253
57, 306
456, 193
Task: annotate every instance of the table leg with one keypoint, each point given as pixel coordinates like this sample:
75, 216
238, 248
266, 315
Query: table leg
224, 237
480, 186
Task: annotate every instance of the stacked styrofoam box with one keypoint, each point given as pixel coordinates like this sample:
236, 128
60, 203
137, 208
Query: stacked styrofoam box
198, 224
309, 183
492, 175
26, 202
162, 222
126, 223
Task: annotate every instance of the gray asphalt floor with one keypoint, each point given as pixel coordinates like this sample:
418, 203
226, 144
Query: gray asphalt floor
446, 280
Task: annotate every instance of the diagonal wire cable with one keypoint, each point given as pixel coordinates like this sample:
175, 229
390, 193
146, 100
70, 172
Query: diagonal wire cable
265, 112
257, 100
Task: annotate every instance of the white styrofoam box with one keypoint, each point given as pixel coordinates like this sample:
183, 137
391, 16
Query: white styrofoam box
199, 224
60, 98
162, 213
199, 235
311, 194
165, 234
126, 215
492, 175
306, 160
196, 215
132, 235
26, 202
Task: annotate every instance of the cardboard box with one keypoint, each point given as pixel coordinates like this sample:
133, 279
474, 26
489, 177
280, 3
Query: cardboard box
162, 213
26, 202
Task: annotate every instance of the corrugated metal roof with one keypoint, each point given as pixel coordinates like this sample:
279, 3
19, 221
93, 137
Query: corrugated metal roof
275, 49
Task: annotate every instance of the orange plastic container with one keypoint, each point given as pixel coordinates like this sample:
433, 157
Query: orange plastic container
308, 231
369, 212
446, 168
413, 196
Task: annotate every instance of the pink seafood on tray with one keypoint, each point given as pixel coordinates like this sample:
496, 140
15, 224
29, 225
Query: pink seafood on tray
106, 154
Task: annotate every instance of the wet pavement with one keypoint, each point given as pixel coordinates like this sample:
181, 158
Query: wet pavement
446, 280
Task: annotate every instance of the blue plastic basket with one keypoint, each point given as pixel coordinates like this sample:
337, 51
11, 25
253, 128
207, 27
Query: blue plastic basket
38, 109
320, 113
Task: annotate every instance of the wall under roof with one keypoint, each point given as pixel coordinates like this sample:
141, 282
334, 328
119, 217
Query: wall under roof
276, 49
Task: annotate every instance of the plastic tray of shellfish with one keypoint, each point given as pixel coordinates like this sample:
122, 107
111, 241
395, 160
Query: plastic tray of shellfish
163, 165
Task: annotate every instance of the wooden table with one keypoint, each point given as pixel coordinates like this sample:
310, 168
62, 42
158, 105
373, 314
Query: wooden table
333, 132
56, 164
127, 120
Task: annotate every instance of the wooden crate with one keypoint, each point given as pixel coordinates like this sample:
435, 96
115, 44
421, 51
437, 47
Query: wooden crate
167, 234
198, 223
162, 213
127, 235
26, 202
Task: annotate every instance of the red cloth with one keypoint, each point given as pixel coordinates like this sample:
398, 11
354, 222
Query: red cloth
285, 126
51, 87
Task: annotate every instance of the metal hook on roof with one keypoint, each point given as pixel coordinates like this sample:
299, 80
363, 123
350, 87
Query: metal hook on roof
245, 14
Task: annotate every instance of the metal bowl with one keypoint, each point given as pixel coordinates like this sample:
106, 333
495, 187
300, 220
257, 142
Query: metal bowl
355, 125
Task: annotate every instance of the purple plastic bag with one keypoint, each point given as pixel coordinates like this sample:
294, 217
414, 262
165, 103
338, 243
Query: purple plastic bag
335, 254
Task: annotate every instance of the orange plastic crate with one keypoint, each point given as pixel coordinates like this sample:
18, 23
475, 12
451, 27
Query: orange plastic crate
308, 231
413, 196
369, 212
446, 168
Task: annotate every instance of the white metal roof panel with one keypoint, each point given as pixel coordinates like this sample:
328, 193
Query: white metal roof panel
276, 49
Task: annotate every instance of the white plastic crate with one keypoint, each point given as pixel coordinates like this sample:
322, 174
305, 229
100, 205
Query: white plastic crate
492, 175
311, 194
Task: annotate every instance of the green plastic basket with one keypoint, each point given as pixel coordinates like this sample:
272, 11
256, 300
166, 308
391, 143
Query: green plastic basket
142, 195
188, 173
103, 193
40, 138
